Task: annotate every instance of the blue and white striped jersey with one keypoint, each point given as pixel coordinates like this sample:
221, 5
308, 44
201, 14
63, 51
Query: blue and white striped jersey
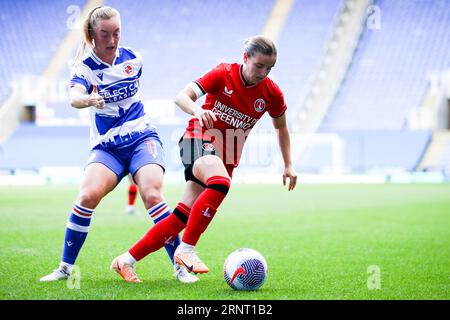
123, 120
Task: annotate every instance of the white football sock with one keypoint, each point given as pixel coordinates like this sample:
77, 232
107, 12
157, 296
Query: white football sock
67, 266
127, 258
183, 246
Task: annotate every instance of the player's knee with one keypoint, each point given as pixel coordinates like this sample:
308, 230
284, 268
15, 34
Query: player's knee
152, 198
89, 198
209, 166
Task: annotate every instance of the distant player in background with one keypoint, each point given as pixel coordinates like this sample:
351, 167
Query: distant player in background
106, 80
132, 193
237, 97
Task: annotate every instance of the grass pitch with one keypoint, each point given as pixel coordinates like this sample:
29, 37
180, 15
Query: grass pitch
320, 242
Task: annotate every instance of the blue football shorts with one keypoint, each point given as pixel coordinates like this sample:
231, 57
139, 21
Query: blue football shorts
131, 158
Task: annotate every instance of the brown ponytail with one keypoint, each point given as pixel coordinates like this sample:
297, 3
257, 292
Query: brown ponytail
260, 44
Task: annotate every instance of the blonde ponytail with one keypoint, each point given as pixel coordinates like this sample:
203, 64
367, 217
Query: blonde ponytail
89, 23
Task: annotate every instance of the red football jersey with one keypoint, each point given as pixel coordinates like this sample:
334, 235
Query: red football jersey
237, 106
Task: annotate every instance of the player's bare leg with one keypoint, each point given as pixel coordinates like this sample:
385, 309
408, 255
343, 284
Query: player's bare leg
210, 170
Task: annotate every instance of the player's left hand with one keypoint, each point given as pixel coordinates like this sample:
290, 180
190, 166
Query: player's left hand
289, 173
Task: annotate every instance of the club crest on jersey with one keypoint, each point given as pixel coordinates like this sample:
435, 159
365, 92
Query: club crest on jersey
128, 69
259, 105
208, 147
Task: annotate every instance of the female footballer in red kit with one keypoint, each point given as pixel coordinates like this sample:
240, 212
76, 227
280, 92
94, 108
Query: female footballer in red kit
237, 97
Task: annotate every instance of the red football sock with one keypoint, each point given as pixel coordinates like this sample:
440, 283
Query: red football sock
165, 231
205, 207
132, 192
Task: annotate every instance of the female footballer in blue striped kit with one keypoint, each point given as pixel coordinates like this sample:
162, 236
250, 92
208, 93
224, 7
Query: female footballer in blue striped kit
106, 80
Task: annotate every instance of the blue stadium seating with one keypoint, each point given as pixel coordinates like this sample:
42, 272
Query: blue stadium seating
180, 40
31, 32
301, 45
388, 75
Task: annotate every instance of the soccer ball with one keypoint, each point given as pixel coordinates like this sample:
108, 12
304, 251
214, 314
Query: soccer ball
245, 269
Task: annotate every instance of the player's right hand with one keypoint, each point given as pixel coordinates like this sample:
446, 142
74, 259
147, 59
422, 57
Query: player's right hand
205, 117
95, 100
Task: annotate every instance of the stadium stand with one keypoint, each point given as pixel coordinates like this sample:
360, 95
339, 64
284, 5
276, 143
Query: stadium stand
180, 40
388, 75
31, 33
386, 80
301, 45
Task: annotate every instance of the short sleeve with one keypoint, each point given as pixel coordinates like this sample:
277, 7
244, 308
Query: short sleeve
212, 80
139, 61
80, 76
278, 107
139, 58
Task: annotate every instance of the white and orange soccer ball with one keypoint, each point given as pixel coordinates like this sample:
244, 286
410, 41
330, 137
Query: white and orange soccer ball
245, 269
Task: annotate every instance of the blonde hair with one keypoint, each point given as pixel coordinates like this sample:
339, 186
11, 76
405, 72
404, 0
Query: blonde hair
89, 23
260, 44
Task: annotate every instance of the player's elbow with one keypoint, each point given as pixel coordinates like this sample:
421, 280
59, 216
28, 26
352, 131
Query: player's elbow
76, 101
77, 98
74, 104
177, 100
186, 95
